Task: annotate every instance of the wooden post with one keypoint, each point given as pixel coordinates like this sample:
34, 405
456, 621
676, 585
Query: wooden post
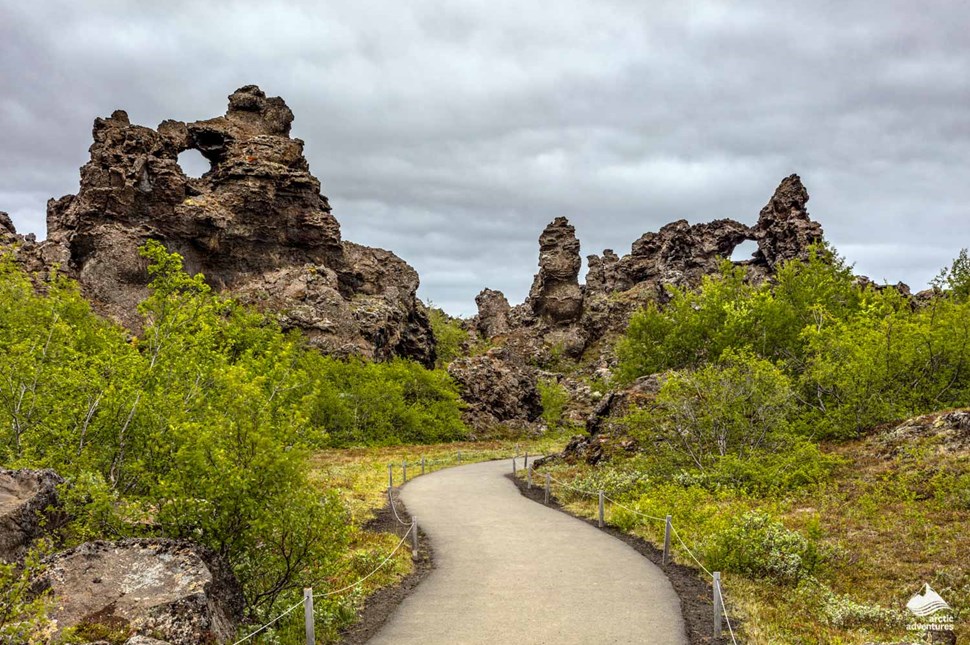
404, 472
459, 457
548, 485
602, 518
308, 616
528, 476
390, 476
414, 538
718, 604
526, 464
667, 530
513, 466
422, 465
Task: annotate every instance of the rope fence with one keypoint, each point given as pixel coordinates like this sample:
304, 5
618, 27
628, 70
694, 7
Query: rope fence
720, 612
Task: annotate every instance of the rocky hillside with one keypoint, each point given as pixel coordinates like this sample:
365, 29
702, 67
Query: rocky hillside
256, 224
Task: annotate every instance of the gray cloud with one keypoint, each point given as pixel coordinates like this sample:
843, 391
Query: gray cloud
451, 133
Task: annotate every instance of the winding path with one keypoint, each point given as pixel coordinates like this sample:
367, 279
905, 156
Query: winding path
510, 570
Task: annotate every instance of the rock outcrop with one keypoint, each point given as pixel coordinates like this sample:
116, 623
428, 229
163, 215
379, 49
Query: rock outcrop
493, 313
255, 224
785, 230
555, 295
563, 318
165, 589
28, 499
498, 389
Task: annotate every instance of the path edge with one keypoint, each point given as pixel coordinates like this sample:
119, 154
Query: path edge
694, 592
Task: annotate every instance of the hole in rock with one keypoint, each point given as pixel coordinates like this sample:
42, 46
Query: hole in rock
193, 164
744, 251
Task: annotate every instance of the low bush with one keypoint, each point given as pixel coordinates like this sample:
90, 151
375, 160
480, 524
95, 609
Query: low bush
758, 546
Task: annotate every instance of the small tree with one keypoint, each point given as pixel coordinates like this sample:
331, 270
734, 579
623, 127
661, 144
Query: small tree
736, 406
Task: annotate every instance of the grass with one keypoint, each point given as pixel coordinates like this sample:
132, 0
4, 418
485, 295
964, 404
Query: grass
884, 523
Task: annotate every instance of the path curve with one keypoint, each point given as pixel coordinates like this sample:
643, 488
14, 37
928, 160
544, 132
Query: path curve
509, 570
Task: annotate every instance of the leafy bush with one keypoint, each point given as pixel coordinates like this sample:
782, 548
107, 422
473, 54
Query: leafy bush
23, 613
449, 336
794, 463
199, 427
760, 547
735, 407
554, 399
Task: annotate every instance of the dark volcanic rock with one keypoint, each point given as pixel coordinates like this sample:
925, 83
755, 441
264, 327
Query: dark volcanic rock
163, 588
255, 224
26, 497
784, 230
555, 293
678, 254
497, 389
493, 313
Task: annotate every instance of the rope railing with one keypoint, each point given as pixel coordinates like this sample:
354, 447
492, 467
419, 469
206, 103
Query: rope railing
307, 601
269, 624
719, 608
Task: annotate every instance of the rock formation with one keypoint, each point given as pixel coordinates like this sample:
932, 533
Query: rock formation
555, 295
784, 230
27, 498
497, 388
166, 589
493, 313
255, 224
562, 317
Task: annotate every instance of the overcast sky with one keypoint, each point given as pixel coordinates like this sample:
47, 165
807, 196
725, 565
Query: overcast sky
452, 132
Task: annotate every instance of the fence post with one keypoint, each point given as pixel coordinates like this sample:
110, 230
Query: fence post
667, 527
548, 485
308, 615
414, 538
422, 465
513, 466
528, 476
602, 518
390, 476
459, 457
404, 472
718, 604
526, 464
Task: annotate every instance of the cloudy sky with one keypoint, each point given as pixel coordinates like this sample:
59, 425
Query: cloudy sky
452, 132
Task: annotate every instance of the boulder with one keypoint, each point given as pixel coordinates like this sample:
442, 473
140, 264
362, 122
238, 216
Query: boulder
166, 589
26, 500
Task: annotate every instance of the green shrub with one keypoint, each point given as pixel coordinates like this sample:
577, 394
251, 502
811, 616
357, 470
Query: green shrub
449, 336
736, 407
554, 399
795, 463
757, 546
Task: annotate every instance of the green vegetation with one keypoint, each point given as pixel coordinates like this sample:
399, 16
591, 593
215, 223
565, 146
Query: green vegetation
763, 443
856, 356
449, 336
200, 427
554, 399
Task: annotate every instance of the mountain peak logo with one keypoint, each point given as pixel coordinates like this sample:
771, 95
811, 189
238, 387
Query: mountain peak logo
926, 603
